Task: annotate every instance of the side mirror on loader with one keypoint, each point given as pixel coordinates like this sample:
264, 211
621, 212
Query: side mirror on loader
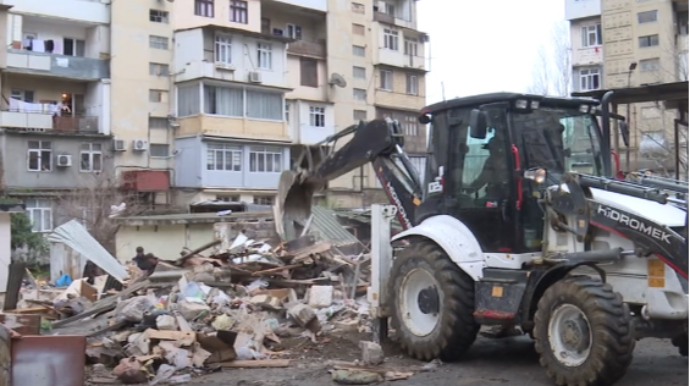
478, 128
625, 132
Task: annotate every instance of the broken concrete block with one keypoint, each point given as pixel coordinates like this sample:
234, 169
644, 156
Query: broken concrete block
302, 314
372, 353
356, 377
166, 323
320, 296
266, 301
192, 310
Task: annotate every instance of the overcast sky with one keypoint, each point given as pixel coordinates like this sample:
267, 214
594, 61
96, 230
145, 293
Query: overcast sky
484, 46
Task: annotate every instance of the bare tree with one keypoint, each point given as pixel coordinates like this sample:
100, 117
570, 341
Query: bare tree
552, 71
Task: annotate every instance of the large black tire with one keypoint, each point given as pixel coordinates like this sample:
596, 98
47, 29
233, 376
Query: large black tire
455, 329
609, 322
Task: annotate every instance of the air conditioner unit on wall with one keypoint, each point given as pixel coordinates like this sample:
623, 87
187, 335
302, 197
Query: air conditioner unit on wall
255, 77
119, 145
140, 145
64, 160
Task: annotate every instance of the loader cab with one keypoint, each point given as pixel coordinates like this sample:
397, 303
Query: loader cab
479, 149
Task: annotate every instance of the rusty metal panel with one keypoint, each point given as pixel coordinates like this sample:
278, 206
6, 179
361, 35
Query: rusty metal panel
48, 361
24, 324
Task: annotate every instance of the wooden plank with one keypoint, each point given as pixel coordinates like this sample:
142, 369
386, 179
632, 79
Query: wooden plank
202, 248
256, 364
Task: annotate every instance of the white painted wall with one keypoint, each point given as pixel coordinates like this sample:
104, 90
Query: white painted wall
97, 103
192, 63
5, 250
319, 5
577, 9
584, 56
91, 11
301, 130
164, 241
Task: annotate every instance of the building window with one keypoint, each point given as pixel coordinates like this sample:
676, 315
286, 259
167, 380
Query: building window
390, 39
40, 156
158, 96
358, 8
263, 200
265, 159
224, 101
230, 198
358, 51
159, 150
386, 80
359, 94
411, 47
309, 74
293, 31
91, 157
591, 35
158, 123
412, 84
224, 157
21, 95
189, 100
223, 49
410, 128
159, 69
203, 8
40, 212
158, 42
238, 11
647, 17
358, 29
387, 8
590, 79
265, 105
682, 23
73, 47
649, 65
157, 16
265, 56
288, 107
317, 116
648, 41
359, 72
359, 115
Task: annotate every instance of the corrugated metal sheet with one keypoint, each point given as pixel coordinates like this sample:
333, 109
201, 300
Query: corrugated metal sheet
325, 227
74, 235
65, 260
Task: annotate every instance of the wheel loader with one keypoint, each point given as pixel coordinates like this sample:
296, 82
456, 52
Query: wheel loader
519, 223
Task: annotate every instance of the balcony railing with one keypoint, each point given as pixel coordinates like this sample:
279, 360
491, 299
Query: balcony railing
63, 66
391, 19
42, 122
303, 47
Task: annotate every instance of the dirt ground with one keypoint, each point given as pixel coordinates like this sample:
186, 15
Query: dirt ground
490, 362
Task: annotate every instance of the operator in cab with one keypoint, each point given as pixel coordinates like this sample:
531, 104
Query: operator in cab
494, 170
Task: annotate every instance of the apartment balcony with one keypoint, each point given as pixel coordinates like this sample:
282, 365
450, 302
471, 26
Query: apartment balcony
233, 127
399, 59
88, 11
308, 48
588, 56
393, 20
59, 66
46, 122
316, 5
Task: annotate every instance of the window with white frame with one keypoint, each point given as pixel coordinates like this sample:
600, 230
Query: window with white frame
649, 65
590, 79
159, 69
265, 105
22, 95
288, 107
224, 157
158, 42
359, 94
223, 45
159, 150
591, 35
265, 56
293, 31
40, 212
411, 47
73, 47
40, 156
390, 39
359, 72
203, 8
265, 159
648, 41
226, 101
91, 157
410, 126
189, 100
386, 80
412, 84
158, 16
358, 50
263, 200
317, 116
238, 11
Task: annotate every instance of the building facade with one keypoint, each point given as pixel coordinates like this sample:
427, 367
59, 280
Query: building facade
628, 43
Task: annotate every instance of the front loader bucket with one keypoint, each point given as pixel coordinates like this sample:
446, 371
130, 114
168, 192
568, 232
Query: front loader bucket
293, 200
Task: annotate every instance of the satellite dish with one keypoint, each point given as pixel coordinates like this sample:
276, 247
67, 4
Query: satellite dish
338, 80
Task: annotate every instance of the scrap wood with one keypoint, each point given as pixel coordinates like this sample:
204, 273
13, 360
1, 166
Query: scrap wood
277, 269
256, 364
202, 248
342, 365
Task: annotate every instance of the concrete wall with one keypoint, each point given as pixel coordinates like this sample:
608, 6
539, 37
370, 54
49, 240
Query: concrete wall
15, 152
578, 9
92, 11
184, 17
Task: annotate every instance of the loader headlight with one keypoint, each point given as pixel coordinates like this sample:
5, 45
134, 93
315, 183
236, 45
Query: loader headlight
521, 104
537, 175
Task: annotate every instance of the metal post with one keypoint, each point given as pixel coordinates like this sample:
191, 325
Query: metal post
630, 130
381, 263
676, 146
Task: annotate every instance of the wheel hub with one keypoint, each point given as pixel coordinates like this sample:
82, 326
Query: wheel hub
570, 335
428, 301
575, 334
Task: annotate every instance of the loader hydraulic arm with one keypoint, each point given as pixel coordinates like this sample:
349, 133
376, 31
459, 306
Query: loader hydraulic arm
378, 142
